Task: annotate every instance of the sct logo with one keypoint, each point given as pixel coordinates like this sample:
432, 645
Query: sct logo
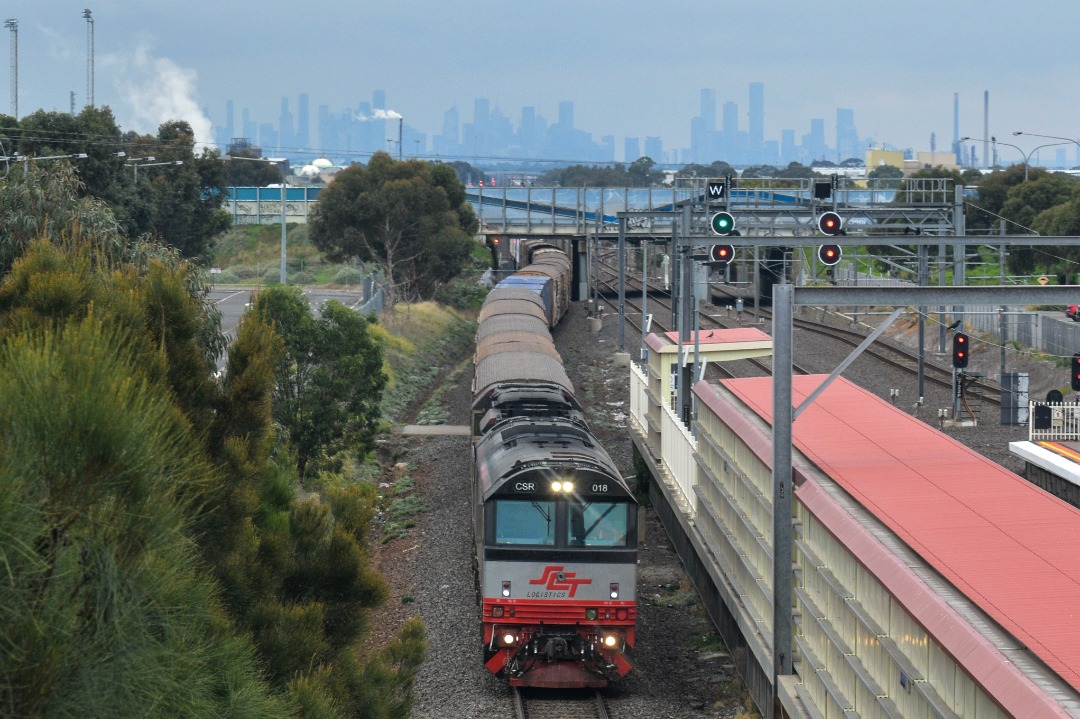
556, 580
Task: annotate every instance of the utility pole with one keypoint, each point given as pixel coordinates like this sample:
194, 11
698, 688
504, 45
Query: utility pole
89, 58
13, 25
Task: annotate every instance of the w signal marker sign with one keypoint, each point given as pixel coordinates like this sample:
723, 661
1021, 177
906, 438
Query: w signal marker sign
715, 190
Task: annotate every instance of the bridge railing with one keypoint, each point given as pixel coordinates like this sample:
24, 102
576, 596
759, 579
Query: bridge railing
577, 210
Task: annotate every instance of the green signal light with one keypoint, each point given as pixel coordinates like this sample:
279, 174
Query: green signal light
723, 223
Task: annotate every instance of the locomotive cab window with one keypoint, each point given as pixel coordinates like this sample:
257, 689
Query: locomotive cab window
597, 524
523, 521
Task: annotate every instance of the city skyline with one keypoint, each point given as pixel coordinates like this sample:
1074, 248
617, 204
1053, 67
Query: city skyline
494, 136
631, 70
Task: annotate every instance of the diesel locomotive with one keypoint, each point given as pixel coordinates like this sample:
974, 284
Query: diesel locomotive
555, 525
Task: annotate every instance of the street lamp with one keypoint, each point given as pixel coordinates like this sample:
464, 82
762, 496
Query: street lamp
136, 165
1027, 155
1052, 137
282, 161
26, 160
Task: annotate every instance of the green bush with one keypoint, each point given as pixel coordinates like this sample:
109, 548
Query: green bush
243, 272
348, 276
225, 278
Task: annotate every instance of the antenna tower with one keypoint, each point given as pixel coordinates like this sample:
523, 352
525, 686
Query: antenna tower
13, 25
89, 58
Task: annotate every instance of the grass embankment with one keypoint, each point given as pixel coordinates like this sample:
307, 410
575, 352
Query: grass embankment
427, 346
251, 255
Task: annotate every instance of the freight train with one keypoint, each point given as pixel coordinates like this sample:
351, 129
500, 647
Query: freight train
555, 525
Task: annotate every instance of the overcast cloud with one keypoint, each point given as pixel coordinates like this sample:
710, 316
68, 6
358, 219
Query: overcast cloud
631, 68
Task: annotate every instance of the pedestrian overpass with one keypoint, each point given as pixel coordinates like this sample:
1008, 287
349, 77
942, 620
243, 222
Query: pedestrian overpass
765, 207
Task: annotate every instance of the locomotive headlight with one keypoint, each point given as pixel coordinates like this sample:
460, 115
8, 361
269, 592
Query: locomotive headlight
610, 641
564, 486
508, 639
556, 486
506, 589
614, 590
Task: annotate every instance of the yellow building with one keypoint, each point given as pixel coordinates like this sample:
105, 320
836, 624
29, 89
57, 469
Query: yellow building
895, 158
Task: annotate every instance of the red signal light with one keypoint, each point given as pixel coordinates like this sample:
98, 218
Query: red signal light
721, 254
960, 350
829, 255
830, 223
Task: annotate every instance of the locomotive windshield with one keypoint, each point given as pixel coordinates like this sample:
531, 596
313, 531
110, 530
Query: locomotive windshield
523, 521
597, 524
564, 523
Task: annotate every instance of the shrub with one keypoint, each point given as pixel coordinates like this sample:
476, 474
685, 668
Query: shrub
348, 276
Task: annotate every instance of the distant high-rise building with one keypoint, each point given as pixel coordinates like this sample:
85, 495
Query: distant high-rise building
303, 132
566, 114
727, 149
813, 143
248, 128
789, 152
654, 149
607, 148
631, 149
229, 120
531, 132
847, 139
378, 100
708, 110
703, 130
286, 132
756, 129
448, 142
268, 137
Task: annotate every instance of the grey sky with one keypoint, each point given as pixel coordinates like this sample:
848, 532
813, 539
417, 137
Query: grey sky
631, 68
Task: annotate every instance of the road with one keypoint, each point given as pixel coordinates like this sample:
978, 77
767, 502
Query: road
232, 301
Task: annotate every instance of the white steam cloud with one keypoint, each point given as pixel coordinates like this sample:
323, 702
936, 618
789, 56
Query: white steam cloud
377, 115
157, 90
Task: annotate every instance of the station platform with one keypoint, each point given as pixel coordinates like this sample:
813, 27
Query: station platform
929, 581
1053, 466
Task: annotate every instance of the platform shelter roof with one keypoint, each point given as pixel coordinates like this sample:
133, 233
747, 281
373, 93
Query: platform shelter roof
1004, 543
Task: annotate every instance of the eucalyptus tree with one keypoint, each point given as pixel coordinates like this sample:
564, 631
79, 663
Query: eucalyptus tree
410, 219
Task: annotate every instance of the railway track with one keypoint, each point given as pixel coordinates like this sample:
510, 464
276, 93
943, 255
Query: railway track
976, 389
583, 704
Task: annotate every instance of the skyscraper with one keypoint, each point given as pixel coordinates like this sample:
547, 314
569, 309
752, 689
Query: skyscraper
703, 130
757, 121
728, 148
847, 139
566, 114
286, 133
303, 131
